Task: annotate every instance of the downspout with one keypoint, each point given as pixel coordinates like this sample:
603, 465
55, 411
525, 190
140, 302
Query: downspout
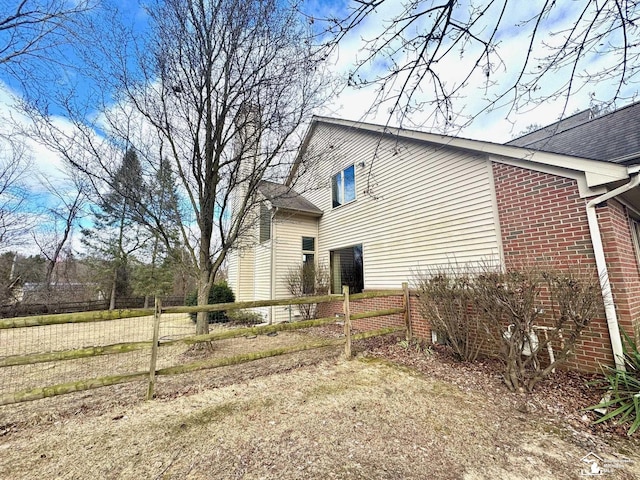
603, 274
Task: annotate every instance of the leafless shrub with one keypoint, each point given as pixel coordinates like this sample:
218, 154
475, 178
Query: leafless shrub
445, 298
307, 279
545, 309
531, 316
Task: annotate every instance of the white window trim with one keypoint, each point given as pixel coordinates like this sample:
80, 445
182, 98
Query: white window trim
634, 225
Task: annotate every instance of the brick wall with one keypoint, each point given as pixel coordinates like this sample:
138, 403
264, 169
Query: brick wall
542, 216
615, 228
419, 326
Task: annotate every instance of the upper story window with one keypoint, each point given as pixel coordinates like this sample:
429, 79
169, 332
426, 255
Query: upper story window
343, 186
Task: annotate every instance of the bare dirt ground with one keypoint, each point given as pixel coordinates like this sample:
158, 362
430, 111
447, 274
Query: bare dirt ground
392, 413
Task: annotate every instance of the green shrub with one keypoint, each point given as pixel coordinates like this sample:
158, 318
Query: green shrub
623, 389
220, 293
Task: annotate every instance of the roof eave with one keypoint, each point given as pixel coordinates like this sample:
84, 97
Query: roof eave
300, 212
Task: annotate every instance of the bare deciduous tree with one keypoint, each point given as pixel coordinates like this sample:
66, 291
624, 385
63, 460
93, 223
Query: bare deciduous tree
232, 83
15, 221
62, 212
33, 28
221, 89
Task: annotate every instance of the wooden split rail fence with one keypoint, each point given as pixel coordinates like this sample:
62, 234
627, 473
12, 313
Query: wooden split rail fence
155, 343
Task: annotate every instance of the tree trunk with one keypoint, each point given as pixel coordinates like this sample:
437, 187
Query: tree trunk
112, 300
204, 285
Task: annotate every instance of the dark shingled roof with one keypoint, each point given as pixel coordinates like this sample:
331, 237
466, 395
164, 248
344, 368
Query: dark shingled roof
286, 198
612, 137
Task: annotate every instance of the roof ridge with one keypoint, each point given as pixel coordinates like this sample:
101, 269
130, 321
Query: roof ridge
594, 119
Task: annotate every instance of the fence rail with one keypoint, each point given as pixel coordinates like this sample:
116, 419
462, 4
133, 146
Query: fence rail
142, 328
42, 308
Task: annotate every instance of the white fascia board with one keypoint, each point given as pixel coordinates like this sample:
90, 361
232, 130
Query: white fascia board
596, 179
596, 173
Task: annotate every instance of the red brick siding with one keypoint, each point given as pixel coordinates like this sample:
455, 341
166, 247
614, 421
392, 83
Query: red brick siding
542, 216
419, 326
622, 263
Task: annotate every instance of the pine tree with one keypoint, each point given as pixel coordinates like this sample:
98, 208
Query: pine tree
154, 274
117, 230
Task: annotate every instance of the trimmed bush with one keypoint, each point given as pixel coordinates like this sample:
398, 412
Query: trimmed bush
220, 293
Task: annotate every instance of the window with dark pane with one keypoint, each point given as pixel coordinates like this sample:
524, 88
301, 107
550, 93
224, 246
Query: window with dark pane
265, 223
308, 244
346, 265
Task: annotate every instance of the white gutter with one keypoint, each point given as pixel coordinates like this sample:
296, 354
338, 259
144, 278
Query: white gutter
633, 169
603, 274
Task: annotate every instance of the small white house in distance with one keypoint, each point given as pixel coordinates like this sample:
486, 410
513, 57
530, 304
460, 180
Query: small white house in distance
376, 204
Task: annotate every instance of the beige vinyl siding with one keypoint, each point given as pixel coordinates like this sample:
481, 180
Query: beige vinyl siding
288, 252
245, 256
416, 205
262, 271
262, 276
232, 271
246, 268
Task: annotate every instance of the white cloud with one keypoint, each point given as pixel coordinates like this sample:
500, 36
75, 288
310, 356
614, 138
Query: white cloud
500, 122
14, 123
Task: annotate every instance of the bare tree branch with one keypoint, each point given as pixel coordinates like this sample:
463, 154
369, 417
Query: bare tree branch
221, 89
410, 59
15, 219
33, 27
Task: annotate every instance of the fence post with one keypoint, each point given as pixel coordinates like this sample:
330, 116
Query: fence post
347, 321
407, 310
154, 348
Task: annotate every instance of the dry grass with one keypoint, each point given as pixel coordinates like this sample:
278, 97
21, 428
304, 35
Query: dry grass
308, 415
53, 338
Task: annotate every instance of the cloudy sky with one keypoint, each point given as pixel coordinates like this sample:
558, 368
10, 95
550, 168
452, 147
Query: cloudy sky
464, 70
503, 120
501, 123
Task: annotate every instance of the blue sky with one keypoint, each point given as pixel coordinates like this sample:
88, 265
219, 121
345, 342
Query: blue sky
501, 123
354, 103
498, 125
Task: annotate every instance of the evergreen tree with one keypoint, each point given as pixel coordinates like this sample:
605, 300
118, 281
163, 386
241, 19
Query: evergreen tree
117, 231
154, 273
